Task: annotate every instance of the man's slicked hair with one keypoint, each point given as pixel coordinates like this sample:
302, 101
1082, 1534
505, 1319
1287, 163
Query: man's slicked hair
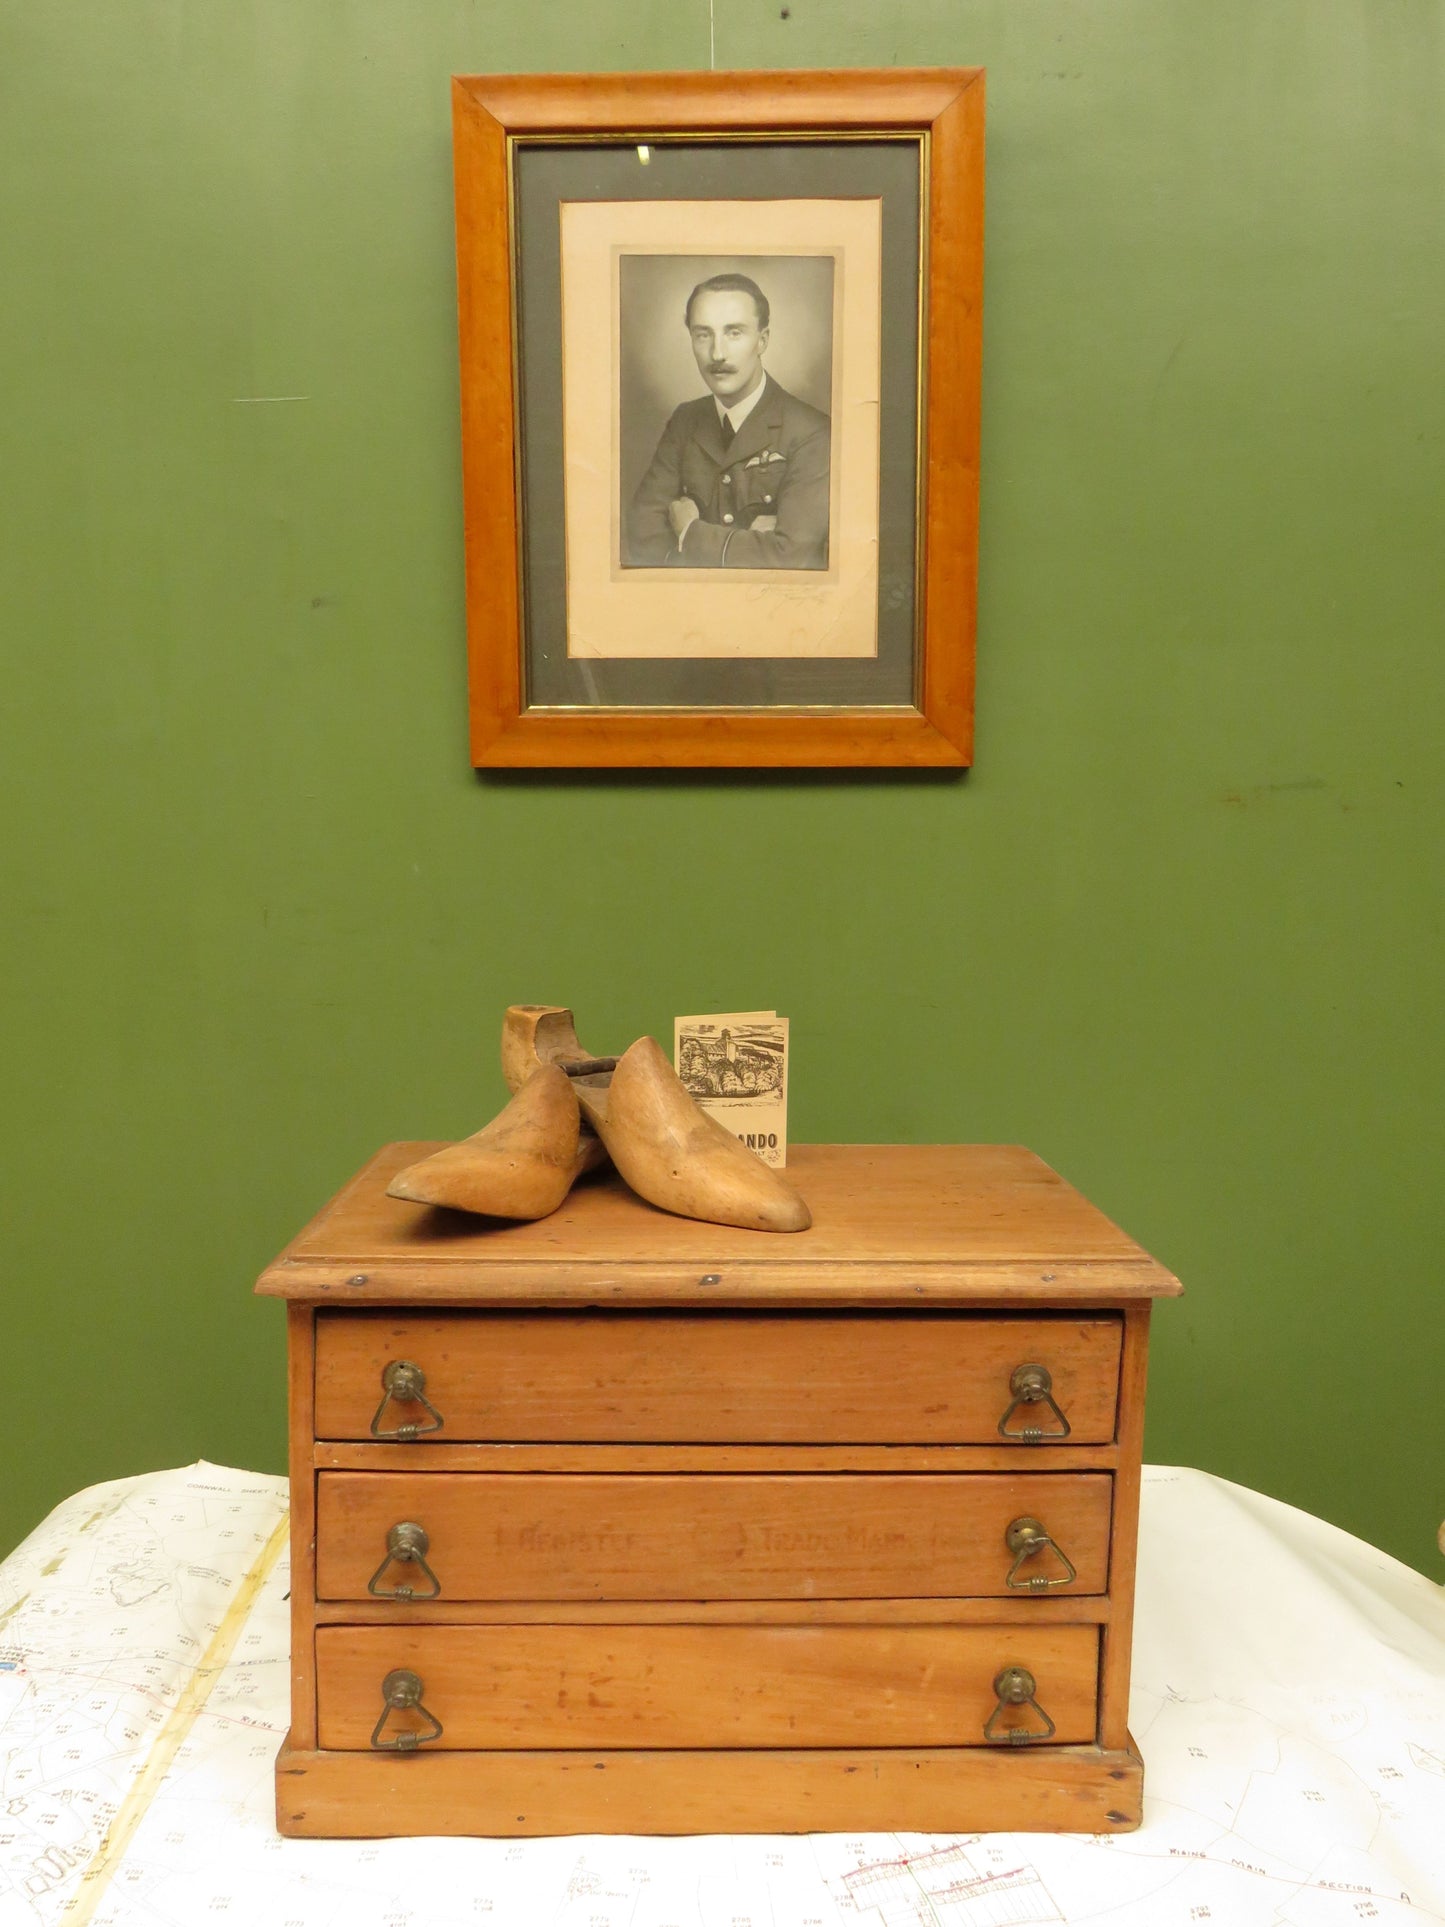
730, 284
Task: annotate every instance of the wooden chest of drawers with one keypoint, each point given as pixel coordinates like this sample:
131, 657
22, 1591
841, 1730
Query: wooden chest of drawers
617, 1522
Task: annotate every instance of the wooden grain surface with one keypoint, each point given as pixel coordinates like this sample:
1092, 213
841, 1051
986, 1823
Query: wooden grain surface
300, 1378
537, 738
636, 1377
1043, 1609
693, 1537
892, 1225
691, 1686
797, 98
489, 456
1117, 1652
343, 1455
1068, 1789
952, 385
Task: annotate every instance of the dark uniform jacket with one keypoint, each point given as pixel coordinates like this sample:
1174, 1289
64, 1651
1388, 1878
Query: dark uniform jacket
775, 465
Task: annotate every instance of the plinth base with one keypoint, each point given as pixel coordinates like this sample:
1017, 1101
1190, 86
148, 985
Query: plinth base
1063, 1789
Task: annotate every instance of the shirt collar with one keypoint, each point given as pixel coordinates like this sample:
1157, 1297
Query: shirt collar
740, 410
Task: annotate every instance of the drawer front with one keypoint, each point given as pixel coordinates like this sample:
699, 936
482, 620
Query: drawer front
715, 1686
520, 1536
614, 1377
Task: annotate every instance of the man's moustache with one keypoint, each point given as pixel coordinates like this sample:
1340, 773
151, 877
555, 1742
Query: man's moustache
722, 368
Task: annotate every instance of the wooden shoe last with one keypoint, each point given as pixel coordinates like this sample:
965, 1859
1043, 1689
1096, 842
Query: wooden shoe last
534, 1034
676, 1156
521, 1165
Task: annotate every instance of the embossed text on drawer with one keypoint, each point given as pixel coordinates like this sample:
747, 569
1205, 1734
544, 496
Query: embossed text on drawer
564, 1536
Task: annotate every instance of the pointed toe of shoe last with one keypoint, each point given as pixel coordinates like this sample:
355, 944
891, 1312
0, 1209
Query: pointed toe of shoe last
521, 1165
676, 1156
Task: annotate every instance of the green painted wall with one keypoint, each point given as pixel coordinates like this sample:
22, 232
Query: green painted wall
1179, 930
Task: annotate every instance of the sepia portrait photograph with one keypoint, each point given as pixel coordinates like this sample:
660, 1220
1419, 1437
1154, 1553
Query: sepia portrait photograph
720, 428
725, 404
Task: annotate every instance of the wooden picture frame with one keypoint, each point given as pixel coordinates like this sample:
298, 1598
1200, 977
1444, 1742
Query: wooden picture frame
587, 205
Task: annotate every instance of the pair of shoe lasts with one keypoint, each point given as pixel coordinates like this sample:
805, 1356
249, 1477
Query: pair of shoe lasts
669, 1150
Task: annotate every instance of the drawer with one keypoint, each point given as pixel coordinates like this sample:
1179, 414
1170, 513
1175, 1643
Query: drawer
614, 1377
515, 1536
690, 1686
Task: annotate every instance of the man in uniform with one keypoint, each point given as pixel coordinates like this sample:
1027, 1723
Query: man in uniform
740, 477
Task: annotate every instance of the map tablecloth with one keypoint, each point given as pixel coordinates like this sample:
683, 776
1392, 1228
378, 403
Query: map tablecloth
1289, 1699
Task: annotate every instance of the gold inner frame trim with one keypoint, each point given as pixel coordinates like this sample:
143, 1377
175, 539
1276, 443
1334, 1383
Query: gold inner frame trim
724, 709
919, 137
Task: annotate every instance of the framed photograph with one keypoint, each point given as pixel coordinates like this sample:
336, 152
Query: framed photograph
720, 339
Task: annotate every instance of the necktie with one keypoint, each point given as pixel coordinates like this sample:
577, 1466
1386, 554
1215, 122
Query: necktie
728, 431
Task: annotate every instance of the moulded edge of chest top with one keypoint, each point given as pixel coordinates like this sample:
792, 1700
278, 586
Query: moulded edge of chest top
1088, 1286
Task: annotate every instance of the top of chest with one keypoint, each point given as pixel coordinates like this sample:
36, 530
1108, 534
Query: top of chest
900, 1225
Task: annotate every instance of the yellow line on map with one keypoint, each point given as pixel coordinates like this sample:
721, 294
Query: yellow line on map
182, 1717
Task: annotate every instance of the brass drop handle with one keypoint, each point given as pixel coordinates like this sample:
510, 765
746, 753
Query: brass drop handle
406, 1383
401, 1692
406, 1544
1032, 1385
1026, 1537
1016, 1686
